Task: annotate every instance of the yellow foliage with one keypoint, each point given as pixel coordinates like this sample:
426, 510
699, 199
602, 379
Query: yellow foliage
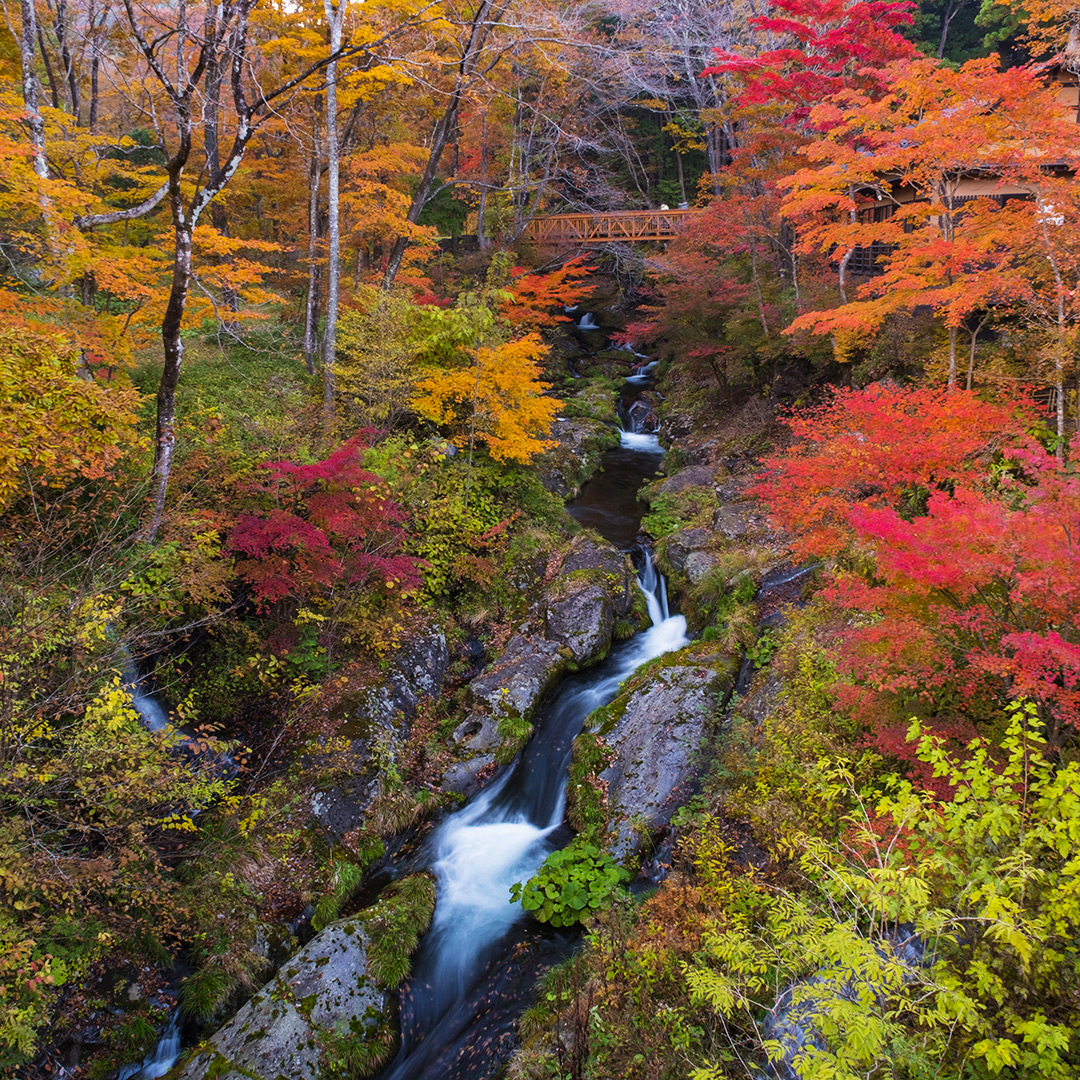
55, 427
497, 400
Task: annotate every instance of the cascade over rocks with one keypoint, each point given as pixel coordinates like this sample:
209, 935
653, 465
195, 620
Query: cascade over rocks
571, 622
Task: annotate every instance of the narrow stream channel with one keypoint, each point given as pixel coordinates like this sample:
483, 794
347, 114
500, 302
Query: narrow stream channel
460, 1003
478, 964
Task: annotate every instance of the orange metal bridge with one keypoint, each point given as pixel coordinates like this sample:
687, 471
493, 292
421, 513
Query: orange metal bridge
615, 228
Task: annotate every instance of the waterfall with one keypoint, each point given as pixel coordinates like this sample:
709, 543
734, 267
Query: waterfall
161, 1059
150, 711
587, 322
503, 836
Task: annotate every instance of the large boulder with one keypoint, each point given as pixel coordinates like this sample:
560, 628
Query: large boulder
572, 623
656, 738
597, 560
698, 565
520, 677
806, 1010
327, 1000
692, 476
679, 546
582, 622
579, 444
321, 995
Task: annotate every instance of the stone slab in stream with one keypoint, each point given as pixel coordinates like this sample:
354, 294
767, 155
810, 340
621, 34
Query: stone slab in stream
656, 740
321, 993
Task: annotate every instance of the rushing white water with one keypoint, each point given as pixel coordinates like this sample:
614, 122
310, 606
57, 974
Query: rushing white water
503, 836
150, 711
161, 1059
587, 322
649, 442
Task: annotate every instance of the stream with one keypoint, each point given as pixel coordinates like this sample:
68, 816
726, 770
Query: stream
478, 964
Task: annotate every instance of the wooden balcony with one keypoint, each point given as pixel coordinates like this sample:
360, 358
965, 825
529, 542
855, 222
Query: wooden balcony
620, 228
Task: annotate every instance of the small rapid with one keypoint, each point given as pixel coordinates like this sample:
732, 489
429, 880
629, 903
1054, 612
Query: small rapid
501, 837
161, 1059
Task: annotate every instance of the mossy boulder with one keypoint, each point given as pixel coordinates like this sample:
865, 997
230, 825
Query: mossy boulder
327, 1004
654, 732
692, 476
679, 546
594, 585
579, 444
595, 400
376, 718
512, 686
572, 624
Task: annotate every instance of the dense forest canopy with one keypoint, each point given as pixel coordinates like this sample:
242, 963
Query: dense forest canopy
284, 385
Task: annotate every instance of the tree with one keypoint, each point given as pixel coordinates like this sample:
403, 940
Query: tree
473, 61
913, 150
56, 429
331, 522
936, 938
496, 400
958, 537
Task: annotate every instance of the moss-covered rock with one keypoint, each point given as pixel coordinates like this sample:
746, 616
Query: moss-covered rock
580, 443
652, 732
328, 1003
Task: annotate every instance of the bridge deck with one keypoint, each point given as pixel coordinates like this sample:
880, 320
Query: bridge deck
607, 228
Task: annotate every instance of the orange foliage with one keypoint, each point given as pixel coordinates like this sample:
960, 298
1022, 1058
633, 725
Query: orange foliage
497, 400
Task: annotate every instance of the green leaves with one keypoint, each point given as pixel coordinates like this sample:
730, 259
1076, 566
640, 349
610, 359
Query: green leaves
571, 885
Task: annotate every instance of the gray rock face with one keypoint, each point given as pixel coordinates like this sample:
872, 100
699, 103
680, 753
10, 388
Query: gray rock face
462, 776
322, 993
680, 545
519, 678
656, 741
575, 618
579, 443
606, 564
380, 713
733, 521
795, 1020
693, 476
698, 564
582, 622
762, 699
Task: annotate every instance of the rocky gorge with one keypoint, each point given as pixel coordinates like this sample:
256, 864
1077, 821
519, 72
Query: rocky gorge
637, 758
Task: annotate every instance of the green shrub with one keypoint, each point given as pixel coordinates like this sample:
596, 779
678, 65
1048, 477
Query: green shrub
573, 884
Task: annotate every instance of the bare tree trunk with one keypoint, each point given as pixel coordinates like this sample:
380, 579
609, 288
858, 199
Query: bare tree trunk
1061, 344
953, 334
212, 141
35, 125
95, 64
971, 354
173, 347
946, 22
334, 16
481, 209
311, 306
60, 29
54, 92
481, 27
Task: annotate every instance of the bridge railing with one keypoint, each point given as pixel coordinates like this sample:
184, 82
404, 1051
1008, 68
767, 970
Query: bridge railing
607, 228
